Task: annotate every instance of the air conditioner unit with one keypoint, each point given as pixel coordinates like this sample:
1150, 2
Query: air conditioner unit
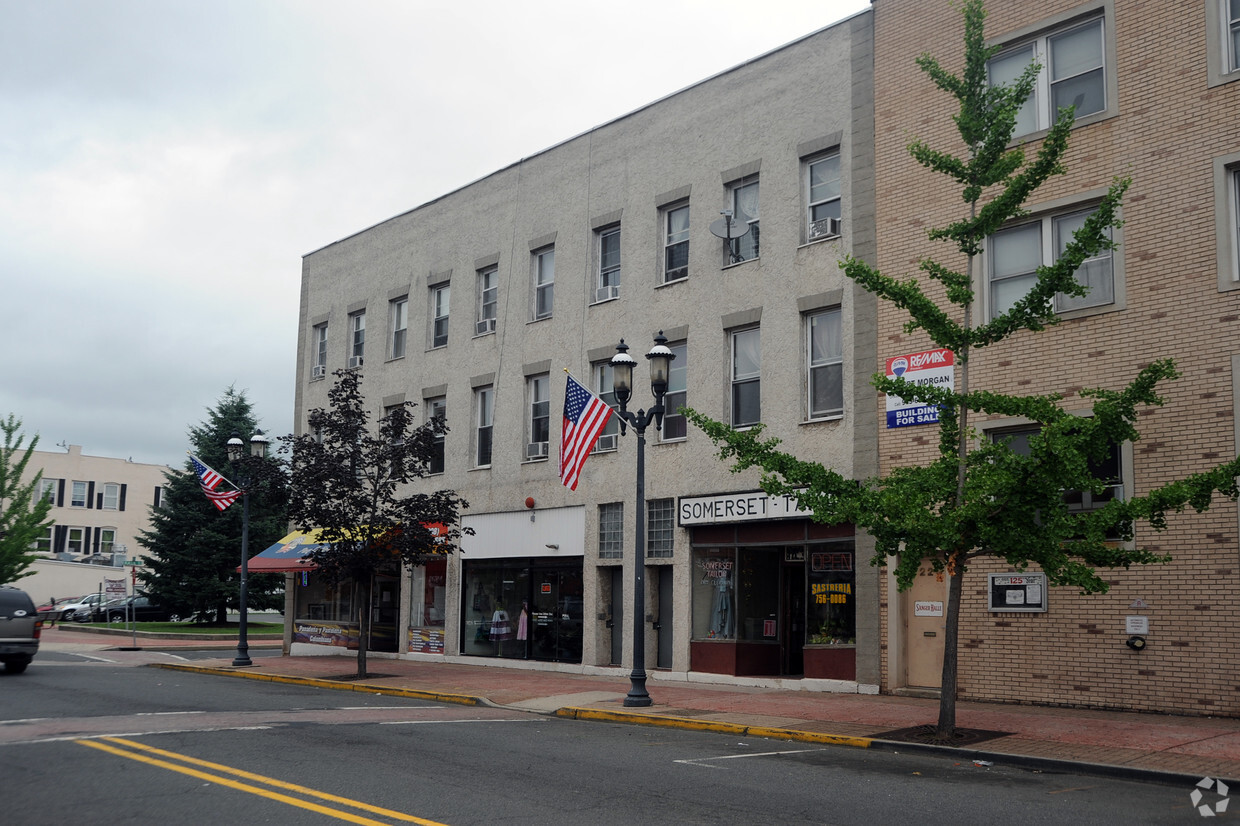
605, 442
487, 325
607, 293
824, 228
536, 450
355, 361
318, 371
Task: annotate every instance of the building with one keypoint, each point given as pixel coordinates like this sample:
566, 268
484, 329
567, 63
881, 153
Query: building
474, 304
99, 506
1157, 92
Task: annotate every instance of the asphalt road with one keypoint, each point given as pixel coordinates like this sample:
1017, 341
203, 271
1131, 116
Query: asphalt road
142, 745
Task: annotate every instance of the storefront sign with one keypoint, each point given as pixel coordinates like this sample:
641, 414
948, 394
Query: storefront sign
426, 640
340, 635
737, 507
831, 561
927, 609
937, 367
1018, 593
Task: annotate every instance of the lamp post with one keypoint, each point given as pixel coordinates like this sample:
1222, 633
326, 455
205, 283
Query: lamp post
236, 453
622, 364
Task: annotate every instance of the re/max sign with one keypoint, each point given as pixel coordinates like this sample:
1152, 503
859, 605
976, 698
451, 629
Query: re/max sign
737, 507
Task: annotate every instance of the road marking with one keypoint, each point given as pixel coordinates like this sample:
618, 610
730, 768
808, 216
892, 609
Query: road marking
164, 713
705, 762
233, 784
450, 722
385, 708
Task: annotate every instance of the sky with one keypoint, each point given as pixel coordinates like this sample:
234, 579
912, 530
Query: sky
165, 164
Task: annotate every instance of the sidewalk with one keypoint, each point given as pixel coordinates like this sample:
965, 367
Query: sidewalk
1162, 748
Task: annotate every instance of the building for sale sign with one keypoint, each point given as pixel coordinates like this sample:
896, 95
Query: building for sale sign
937, 367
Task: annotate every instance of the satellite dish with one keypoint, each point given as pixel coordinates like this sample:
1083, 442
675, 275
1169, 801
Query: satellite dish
728, 227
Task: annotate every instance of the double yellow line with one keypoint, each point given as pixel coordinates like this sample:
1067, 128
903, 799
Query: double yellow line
153, 756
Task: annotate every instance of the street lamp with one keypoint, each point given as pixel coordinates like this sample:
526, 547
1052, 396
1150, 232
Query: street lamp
236, 453
622, 364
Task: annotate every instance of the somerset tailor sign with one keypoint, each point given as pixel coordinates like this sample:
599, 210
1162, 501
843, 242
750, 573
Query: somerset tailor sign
737, 507
937, 367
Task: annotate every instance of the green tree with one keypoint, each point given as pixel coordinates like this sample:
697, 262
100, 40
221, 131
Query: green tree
22, 520
193, 549
978, 498
358, 488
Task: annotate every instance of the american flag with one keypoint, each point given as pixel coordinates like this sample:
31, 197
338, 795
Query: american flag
210, 480
585, 416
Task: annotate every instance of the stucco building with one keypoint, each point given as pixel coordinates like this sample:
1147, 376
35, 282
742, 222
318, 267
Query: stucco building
474, 305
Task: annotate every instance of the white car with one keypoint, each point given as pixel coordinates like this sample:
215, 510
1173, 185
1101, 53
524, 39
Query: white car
68, 609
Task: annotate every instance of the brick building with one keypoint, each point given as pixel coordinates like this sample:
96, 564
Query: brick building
1157, 88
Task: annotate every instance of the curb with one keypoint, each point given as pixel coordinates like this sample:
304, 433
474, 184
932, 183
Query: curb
1028, 762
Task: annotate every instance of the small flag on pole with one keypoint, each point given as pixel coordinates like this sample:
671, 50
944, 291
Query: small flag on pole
585, 416
210, 480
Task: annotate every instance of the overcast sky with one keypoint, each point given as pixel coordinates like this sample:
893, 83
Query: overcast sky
165, 164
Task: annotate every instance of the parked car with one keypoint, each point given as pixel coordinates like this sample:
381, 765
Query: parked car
137, 608
68, 609
20, 628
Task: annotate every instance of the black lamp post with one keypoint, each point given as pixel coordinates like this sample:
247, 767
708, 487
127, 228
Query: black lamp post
622, 383
236, 453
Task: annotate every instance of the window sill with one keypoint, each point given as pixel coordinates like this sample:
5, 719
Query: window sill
741, 263
479, 467
536, 461
605, 301
539, 320
680, 280
677, 441
1084, 120
484, 335
835, 417
823, 240
393, 358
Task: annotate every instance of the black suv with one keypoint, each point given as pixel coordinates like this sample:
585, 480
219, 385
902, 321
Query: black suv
20, 627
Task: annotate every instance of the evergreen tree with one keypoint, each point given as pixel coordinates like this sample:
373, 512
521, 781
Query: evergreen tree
193, 549
22, 520
979, 498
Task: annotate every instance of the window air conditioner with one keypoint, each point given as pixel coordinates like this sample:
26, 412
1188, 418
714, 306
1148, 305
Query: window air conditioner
536, 450
607, 293
318, 371
824, 228
486, 325
355, 361
605, 442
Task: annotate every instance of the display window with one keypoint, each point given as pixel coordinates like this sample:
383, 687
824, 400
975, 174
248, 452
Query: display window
714, 594
831, 607
523, 609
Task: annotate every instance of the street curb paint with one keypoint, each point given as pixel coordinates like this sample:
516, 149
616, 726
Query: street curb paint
715, 726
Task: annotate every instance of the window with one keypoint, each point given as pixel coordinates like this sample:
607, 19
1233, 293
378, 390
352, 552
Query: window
1015, 253
611, 530
80, 495
75, 541
676, 243
746, 384
436, 408
43, 542
484, 410
46, 490
544, 283
488, 300
111, 497
609, 438
107, 540
607, 286
538, 395
1231, 14
439, 315
825, 358
674, 424
357, 336
822, 179
1073, 73
319, 368
660, 527
744, 198
400, 326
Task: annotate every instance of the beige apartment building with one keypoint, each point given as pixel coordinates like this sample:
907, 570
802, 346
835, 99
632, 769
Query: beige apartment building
1157, 88
473, 305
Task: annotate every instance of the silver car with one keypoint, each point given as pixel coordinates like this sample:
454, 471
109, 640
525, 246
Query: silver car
20, 628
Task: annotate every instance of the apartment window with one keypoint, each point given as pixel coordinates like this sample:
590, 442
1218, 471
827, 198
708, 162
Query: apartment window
437, 408
607, 284
46, 490
75, 540
611, 530
107, 540
488, 300
822, 181
660, 527
1073, 73
43, 542
676, 243
400, 326
674, 424
544, 283
1015, 253
825, 358
1233, 224
357, 339
319, 368
746, 384
79, 496
1231, 13
604, 388
439, 315
538, 426
484, 412
111, 497
744, 197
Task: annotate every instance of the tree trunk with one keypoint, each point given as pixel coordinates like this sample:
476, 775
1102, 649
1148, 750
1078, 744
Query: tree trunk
363, 626
951, 635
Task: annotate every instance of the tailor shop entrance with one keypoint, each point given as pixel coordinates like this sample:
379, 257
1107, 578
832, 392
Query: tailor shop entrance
773, 598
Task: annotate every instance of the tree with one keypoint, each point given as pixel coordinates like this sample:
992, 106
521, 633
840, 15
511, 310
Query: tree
22, 520
193, 549
353, 485
978, 498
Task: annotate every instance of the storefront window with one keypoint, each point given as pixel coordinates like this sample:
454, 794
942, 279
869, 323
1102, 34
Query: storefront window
428, 598
832, 610
714, 594
523, 609
757, 596
326, 601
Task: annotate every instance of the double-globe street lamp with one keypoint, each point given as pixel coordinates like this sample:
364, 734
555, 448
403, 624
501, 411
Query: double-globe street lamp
244, 476
622, 364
